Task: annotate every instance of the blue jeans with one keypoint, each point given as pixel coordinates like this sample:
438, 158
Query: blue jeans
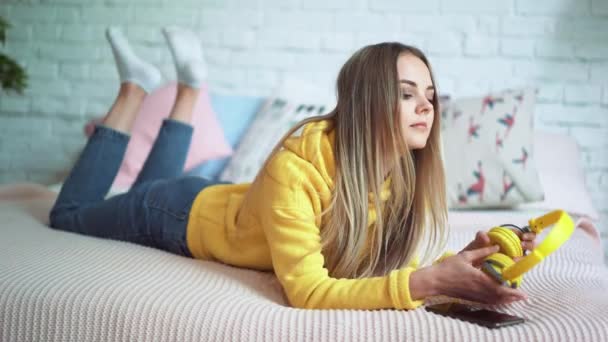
154, 212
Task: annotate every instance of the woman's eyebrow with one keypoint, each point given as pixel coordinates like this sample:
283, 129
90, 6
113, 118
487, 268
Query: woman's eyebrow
415, 85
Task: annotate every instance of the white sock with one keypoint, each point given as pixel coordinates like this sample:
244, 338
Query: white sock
130, 67
187, 55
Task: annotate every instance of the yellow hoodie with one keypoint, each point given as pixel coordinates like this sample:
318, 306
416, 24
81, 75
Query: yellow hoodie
270, 224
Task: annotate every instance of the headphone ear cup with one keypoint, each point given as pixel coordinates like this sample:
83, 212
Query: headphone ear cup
494, 264
509, 242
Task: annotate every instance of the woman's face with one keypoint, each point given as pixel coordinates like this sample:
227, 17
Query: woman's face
416, 100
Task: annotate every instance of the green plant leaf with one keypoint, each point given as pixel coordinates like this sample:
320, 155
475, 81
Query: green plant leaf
12, 75
4, 26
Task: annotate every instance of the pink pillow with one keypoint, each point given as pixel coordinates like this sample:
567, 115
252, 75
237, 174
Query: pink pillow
559, 165
208, 140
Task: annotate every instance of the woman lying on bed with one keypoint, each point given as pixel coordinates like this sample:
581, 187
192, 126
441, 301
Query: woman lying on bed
339, 212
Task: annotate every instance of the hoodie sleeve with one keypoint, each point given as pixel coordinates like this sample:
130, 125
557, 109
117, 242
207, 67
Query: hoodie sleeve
295, 245
444, 256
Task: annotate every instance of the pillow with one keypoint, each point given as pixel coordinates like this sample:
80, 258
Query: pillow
235, 113
561, 176
488, 150
292, 102
208, 140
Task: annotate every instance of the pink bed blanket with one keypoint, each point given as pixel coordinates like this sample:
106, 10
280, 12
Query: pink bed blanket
58, 286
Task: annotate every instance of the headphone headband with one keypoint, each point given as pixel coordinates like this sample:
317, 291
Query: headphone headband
556, 237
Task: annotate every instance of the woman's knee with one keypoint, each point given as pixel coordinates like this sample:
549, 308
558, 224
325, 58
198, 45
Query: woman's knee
59, 218
54, 218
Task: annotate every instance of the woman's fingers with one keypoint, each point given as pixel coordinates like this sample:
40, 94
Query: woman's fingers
524, 236
495, 294
529, 236
528, 245
505, 291
527, 239
482, 238
475, 255
470, 283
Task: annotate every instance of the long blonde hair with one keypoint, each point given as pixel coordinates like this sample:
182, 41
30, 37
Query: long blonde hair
368, 146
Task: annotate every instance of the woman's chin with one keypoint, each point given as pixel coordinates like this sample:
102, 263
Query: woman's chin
417, 138
417, 145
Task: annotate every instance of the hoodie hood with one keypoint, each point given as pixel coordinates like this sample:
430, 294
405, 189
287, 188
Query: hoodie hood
316, 145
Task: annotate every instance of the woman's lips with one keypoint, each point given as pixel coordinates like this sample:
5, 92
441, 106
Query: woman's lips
419, 125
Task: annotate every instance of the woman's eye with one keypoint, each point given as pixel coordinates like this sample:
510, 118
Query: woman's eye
406, 96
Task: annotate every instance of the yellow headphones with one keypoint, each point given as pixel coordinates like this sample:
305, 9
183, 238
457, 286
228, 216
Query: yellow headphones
501, 265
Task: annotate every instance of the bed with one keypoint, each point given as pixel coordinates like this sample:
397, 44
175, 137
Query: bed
61, 286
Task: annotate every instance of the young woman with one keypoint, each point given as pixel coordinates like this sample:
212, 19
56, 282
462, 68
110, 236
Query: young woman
339, 212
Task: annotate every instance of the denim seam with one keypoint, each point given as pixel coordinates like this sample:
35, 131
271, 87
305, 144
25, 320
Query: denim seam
153, 205
123, 237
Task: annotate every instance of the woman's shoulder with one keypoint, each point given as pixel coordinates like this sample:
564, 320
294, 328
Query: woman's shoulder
309, 155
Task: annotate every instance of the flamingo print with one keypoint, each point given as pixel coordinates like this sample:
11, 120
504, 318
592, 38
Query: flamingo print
478, 187
456, 114
473, 129
444, 113
462, 197
489, 101
507, 185
523, 159
498, 142
508, 120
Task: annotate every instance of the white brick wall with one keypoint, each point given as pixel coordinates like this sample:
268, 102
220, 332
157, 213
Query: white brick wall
474, 46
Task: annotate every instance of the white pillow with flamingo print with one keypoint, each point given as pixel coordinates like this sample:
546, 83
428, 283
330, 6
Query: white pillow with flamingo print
488, 150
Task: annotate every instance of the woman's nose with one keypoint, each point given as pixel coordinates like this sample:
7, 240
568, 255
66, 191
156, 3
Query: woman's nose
424, 107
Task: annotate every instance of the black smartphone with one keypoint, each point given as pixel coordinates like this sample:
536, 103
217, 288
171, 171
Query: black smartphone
468, 313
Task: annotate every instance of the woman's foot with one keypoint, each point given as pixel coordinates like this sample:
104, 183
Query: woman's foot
187, 55
131, 68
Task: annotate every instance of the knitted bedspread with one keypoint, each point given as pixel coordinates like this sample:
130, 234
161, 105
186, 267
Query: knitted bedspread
59, 286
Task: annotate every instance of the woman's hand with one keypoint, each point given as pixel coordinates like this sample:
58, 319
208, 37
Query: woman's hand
456, 276
528, 240
483, 240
